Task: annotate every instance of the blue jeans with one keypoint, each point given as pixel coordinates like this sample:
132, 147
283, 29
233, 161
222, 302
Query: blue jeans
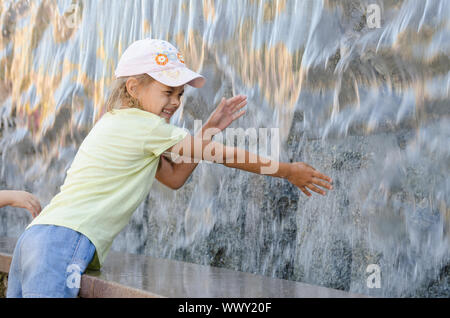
48, 261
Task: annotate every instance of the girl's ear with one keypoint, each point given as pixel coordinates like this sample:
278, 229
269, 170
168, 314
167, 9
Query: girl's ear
131, 85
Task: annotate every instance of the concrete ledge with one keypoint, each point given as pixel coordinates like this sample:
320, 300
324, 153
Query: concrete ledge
141, 276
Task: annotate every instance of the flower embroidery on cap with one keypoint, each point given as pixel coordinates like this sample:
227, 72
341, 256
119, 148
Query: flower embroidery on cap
162, 59
180, 57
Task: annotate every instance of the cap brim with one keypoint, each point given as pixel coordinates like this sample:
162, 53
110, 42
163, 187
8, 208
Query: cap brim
178, 77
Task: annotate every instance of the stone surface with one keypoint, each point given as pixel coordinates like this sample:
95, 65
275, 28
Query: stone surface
132, 275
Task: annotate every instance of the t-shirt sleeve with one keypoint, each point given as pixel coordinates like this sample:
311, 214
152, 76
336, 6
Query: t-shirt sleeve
162, 137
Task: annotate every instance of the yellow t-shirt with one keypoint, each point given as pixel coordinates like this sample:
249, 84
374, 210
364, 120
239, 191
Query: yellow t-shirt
110, 176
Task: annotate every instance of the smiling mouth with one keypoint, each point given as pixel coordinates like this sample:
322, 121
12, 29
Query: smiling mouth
168, 112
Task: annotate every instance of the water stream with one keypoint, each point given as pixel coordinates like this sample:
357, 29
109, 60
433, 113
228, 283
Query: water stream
368, 106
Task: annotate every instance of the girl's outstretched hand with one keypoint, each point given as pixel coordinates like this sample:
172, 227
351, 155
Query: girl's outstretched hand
226, 112
23, 199
307, 178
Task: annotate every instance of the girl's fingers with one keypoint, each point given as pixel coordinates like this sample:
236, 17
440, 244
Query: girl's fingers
37, 207
221, 104
30, 208
239, 106
37, 204
33, 204
315, 189
322, 183
305, 191
237, 115
235, 100
32, 200
322, 176
231, 100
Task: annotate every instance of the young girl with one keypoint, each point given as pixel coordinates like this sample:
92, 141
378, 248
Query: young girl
116, 164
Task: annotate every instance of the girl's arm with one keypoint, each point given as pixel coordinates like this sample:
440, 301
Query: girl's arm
20, 199
174, 175
300, 174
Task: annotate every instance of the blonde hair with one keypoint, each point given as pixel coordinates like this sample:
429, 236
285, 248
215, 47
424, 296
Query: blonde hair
119, 95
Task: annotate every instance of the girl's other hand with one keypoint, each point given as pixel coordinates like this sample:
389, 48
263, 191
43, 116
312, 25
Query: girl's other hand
226, 112
307, 178
23, 199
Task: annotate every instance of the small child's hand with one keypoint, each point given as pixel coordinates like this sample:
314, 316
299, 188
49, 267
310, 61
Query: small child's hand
304, 176
23, 199
227, 112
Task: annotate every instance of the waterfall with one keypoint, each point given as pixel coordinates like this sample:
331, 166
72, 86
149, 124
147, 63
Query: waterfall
368, 106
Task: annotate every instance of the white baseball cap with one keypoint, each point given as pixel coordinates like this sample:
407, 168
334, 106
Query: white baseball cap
160, 60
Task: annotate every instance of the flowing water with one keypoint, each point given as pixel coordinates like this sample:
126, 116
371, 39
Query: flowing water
368, 106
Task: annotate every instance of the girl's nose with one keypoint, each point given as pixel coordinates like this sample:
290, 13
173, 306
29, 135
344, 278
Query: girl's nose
175, 102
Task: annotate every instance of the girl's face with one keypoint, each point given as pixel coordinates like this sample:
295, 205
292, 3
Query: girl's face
159, 99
